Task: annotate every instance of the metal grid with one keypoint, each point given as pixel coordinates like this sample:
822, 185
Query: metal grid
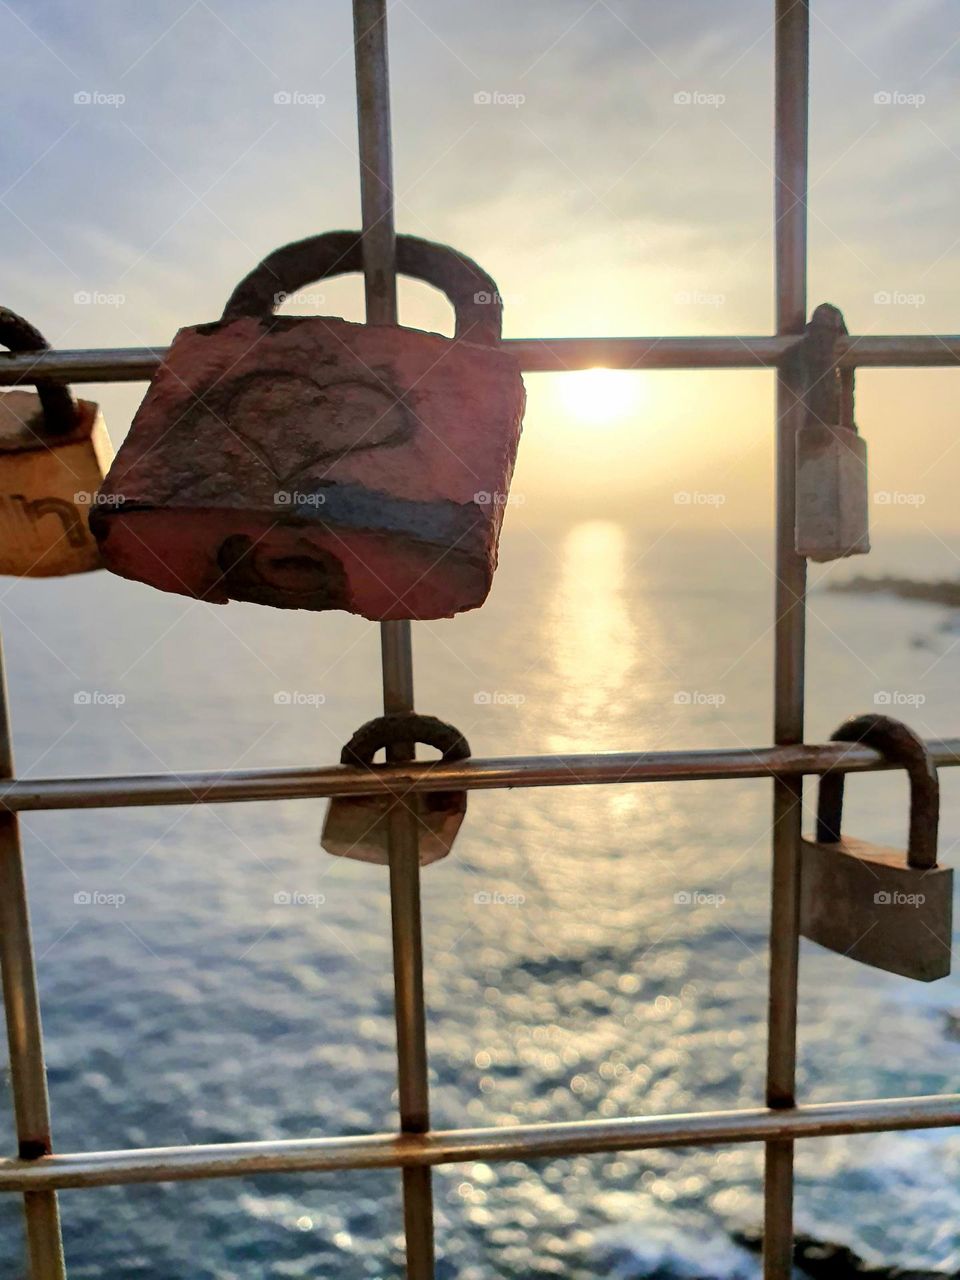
37, 1174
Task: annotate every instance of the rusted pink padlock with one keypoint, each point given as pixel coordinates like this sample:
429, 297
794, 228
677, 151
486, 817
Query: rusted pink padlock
306, 462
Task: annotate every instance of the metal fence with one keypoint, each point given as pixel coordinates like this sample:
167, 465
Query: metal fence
37, 1174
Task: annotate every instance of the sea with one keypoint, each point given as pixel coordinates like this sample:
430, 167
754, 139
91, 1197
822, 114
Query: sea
209, 974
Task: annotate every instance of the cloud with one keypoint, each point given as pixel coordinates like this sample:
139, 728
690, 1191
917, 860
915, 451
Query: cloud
622, 162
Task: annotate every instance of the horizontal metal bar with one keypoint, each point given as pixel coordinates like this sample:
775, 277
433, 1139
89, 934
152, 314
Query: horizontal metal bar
543, 355
560, 355
513, 1142
556, 355
919, 350
467, 775
106, 364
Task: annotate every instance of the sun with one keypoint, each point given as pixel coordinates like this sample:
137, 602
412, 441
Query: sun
602, 396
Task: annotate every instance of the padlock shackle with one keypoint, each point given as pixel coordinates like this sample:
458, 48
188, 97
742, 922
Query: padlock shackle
57, 400
475, 299
828, 394
406, 728
900, 745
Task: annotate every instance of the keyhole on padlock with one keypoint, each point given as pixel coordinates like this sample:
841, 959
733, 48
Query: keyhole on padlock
252, 573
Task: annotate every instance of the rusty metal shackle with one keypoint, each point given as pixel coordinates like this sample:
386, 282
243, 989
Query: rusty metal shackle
899, 744
473, 294
56, 399
404, 728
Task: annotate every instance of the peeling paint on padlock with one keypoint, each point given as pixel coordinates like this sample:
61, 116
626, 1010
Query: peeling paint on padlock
54, 452
358, 826
871, 903
306, 462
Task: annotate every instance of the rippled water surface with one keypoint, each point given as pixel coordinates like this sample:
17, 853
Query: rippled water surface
590, 951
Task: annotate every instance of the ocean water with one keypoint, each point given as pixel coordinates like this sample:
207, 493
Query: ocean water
185, 1004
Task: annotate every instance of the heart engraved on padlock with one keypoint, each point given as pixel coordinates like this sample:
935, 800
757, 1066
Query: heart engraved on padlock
54, 452
358, 826
308, 462
863, 900
316, 421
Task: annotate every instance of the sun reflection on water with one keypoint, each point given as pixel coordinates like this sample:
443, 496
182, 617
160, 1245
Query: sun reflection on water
592, 637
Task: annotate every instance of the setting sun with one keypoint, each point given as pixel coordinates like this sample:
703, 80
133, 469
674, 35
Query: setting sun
603, 396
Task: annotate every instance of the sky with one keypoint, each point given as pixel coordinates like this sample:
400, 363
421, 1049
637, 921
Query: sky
609, 162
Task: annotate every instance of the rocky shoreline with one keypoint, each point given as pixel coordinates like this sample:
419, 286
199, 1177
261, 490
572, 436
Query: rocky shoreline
943, 592
824, 1261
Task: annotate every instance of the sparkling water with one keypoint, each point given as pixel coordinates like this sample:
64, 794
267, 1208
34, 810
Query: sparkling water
208, 974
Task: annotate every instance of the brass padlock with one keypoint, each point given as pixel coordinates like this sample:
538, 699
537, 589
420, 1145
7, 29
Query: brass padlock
54, 452
832, 511
863, 900
357, 826
305, 462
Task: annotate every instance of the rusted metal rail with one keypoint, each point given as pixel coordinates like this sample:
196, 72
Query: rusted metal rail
396, 646
549, 355
510, 1142
476, 774
415, 1148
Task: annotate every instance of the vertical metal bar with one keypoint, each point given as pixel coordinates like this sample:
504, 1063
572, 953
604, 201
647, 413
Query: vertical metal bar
21, 1005
379, 262
792, 90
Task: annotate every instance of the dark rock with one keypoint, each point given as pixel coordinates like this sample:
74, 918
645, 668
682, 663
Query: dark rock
944, 591
821, 1260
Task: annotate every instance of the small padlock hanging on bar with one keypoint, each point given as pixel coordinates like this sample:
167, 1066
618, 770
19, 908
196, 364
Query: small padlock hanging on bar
864, 900
358, 826
832, 505
54, 452
305, 462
